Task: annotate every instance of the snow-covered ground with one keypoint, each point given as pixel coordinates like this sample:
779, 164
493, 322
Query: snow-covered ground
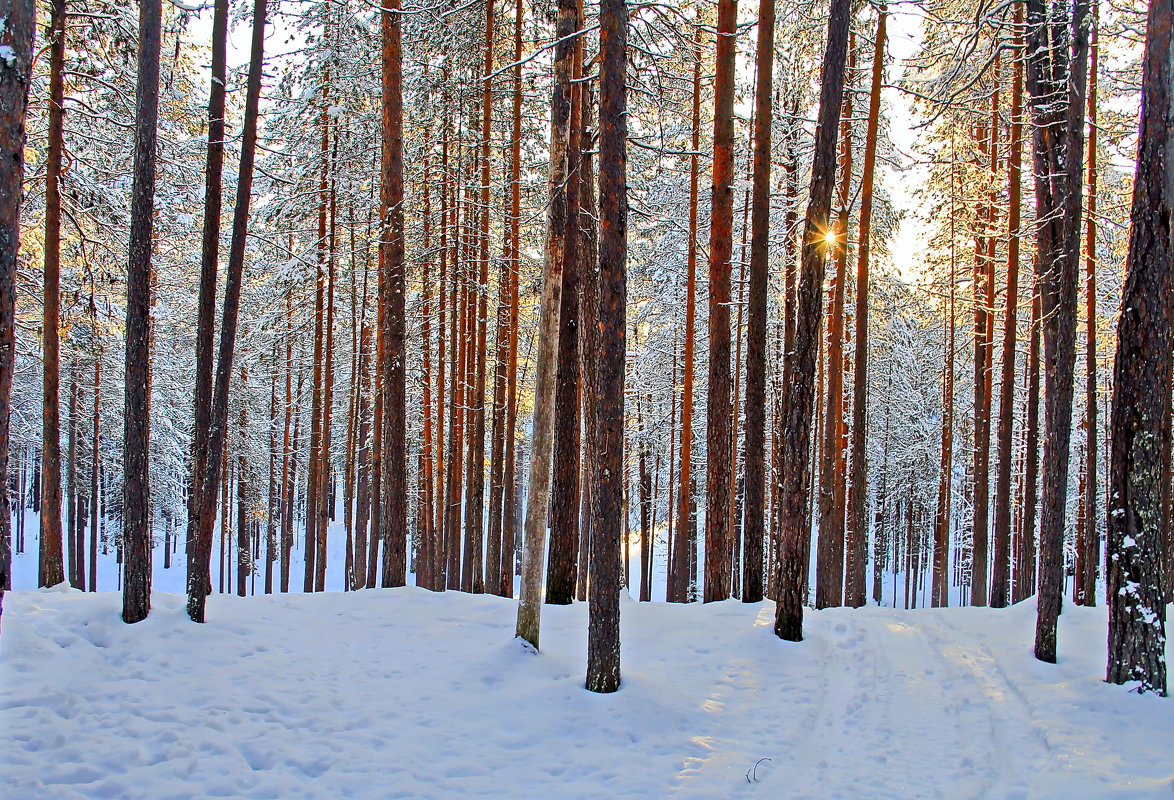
404, 693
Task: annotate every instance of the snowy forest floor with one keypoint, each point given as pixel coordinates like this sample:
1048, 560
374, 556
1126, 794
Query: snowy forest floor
405, 693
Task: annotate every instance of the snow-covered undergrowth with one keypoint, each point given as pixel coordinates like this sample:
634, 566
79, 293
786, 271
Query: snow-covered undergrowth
404, 693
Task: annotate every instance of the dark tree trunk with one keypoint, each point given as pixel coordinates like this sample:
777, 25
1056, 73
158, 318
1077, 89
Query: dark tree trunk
1057, 47
798, 395
603, 632
1088, 552
52, 568
199, 552
755, 499
678, 582
530, 605
218, 430
508, 522
136, 595
1001, 563
564, 501
393, 522
18, 34
719, 471
1140, 421
854, 582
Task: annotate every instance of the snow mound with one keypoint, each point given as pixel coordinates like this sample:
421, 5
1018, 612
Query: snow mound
405, 693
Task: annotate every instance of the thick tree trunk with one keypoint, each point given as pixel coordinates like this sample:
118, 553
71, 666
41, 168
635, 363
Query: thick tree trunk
1140, 421
755, 468
564, 505
603, 632
52, 568
18, 34
798, 397
530, 604
1057, 47
719, 472
393, 522
136, 537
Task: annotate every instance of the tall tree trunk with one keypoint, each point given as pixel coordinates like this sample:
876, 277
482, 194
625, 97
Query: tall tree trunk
589, 340
564, 509
984, 292
18, 35
1001, 563
1057, 47
755, 501
940, 583
95, 460
51, 566
603, 632
136, 596
530, 604
199, 560
217, 436
508, 523
1088, 553
678, 583
829, 569
854, 589
719, 471
1140, 421
325, 504
393, 279
798, 397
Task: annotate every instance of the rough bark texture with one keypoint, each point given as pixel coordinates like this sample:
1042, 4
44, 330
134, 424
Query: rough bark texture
798, 394
393, 520
218, 421
52, 567
603, 632
1140, 421
755, 498
18, 34
538, 499
1056, 73
199, 551
562, 559
136, 537
719, 472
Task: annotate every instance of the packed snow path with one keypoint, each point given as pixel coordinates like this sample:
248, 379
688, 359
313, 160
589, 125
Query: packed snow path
403, 693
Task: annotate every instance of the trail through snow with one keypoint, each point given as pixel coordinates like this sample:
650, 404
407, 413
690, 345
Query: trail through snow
404, 693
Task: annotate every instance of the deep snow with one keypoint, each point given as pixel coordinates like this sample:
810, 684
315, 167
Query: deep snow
405, 693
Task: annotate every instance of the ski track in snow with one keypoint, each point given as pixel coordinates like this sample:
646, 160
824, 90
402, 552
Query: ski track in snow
405, 693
